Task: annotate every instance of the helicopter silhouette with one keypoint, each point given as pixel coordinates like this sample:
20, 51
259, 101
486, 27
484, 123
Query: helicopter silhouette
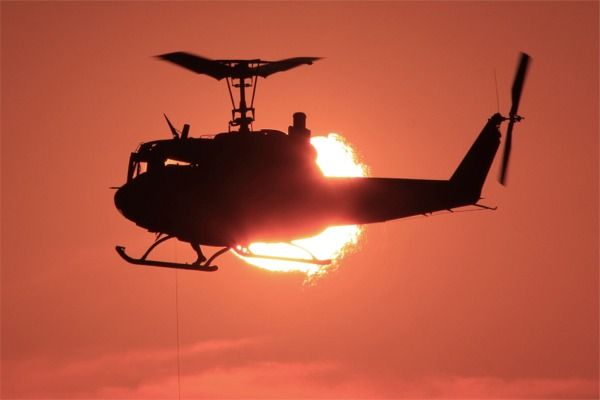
244, 186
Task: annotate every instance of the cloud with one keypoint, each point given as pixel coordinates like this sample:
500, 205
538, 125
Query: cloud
45, 377
322, 380
500, 388
240, 368
328, 380
256, 380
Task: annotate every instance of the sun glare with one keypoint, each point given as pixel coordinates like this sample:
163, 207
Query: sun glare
335, 157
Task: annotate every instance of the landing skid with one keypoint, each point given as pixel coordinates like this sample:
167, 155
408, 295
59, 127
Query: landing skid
154, 263
205, 266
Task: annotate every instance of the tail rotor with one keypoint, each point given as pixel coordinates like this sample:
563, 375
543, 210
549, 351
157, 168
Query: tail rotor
517, 90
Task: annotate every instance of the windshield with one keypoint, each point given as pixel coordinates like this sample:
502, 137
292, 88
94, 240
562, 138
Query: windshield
136, 167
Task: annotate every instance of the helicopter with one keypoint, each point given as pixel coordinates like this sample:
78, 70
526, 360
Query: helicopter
244, 185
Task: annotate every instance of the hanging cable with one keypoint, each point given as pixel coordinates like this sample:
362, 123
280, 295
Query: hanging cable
177, 324
497, 97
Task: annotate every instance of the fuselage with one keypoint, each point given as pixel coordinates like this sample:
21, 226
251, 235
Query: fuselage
237, 188
215, 209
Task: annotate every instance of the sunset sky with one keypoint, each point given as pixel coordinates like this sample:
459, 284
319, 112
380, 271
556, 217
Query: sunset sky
486, 304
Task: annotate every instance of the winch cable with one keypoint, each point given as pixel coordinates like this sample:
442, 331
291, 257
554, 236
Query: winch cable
177, 323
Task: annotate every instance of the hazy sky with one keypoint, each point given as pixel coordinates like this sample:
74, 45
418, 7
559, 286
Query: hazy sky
483, 304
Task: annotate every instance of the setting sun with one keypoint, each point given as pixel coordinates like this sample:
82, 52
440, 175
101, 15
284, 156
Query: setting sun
335, 157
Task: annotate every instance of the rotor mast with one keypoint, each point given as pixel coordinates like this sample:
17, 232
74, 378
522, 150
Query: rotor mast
239, 115
243, 121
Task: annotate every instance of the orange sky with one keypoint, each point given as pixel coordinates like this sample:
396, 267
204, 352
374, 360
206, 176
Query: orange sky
484, 304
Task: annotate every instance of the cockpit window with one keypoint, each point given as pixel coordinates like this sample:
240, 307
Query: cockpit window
141, 168
135, 168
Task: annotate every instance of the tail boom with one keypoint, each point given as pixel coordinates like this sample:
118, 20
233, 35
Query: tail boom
368, 200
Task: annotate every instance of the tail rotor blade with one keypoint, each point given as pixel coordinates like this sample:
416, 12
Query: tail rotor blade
506, 154
517, 90
517, 87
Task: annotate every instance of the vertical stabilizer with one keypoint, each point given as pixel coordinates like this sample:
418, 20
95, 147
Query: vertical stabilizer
470, 175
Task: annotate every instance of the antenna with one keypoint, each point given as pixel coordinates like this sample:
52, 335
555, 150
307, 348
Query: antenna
497, 97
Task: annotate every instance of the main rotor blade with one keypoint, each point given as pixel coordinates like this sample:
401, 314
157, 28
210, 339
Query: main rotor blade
506, 154
517, 87
283, 65
198, 64
220, 69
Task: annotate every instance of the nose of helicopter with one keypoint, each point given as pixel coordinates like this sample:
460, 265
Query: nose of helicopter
136, 203
122, 200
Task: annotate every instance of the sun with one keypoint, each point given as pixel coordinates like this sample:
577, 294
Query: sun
335, 157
